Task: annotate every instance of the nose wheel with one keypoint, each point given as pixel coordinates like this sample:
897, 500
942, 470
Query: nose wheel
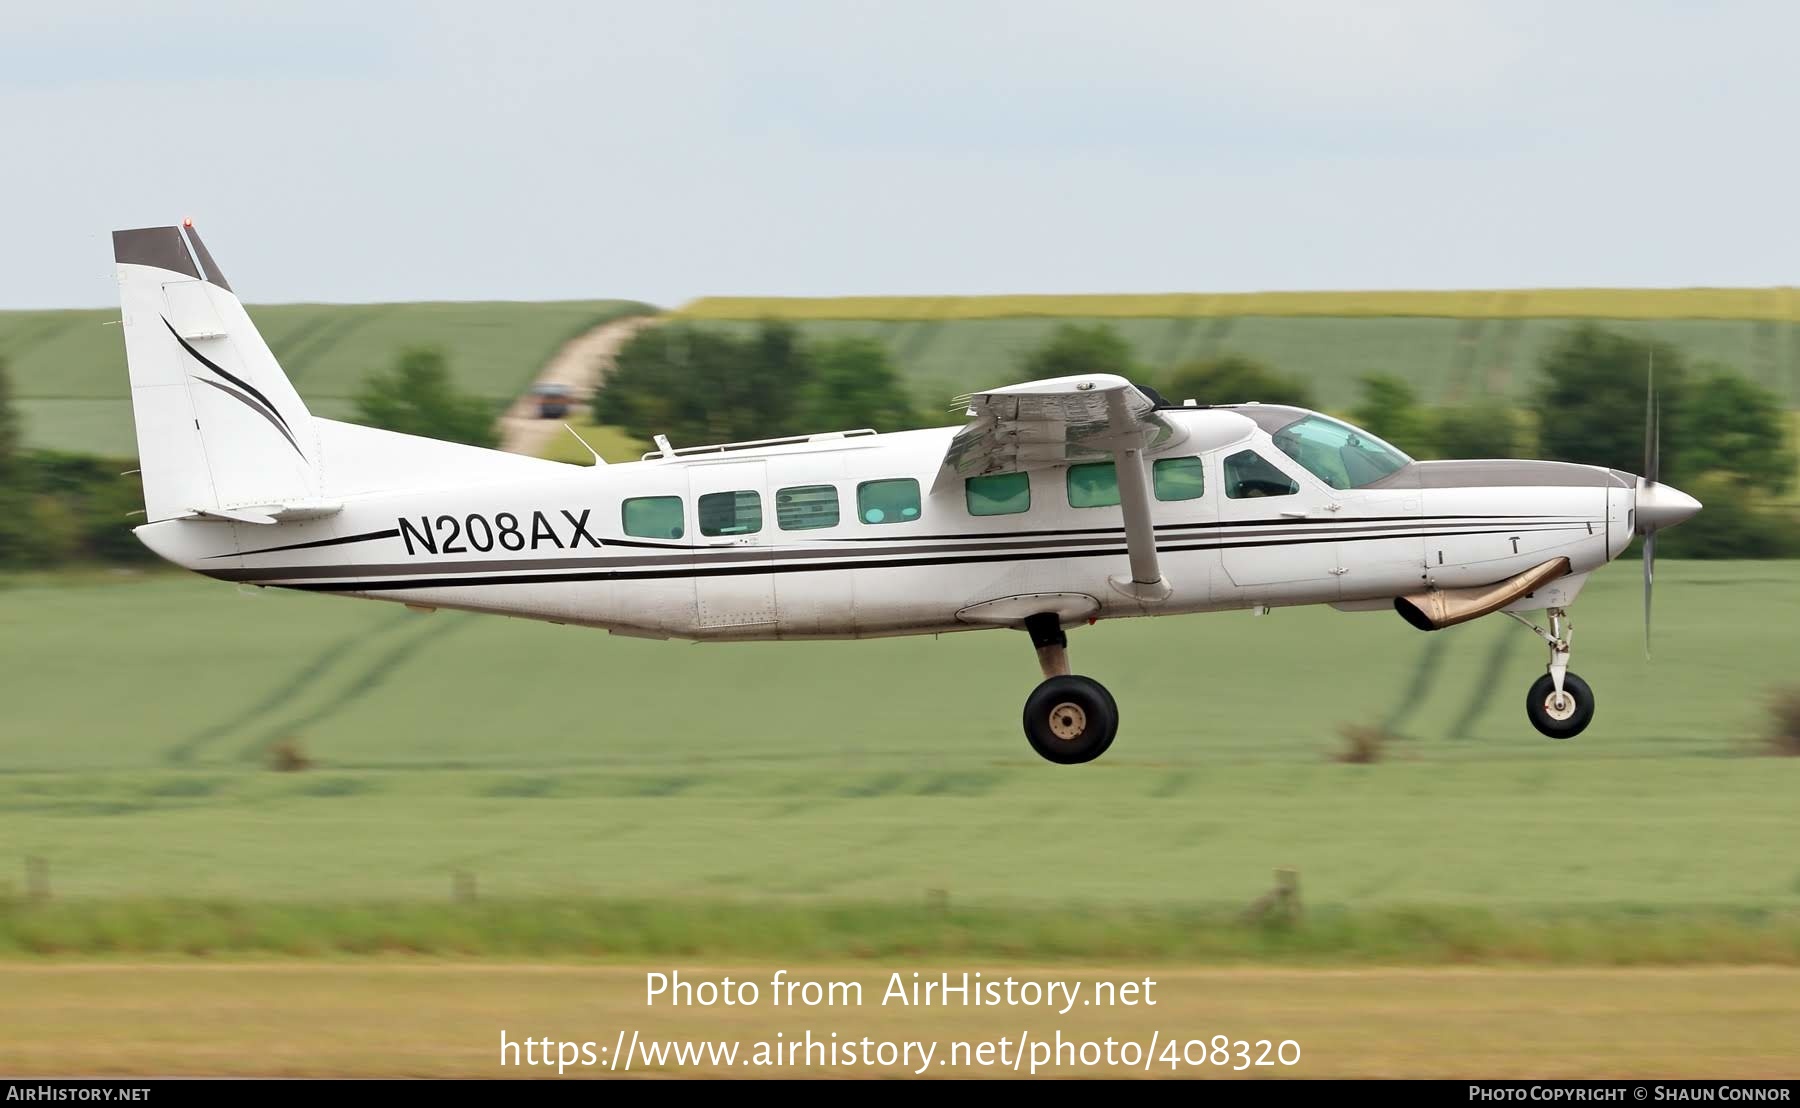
1560, 715
1069, 719
1559, 704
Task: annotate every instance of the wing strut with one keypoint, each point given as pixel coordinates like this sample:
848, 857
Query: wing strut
1146, 581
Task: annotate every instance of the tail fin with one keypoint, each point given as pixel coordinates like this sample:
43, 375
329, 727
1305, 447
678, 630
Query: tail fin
221, 432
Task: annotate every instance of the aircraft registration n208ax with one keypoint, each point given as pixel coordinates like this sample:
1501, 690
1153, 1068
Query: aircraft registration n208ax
1056, 503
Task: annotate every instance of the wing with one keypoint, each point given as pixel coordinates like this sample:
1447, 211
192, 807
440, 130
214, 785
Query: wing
1055, 422
1094, 417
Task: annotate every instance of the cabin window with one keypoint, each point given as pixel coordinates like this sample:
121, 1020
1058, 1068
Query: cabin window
731, 513
1178, 478
998, 494
806, 507
1093, 485
652, 517
891, 501
1249, 474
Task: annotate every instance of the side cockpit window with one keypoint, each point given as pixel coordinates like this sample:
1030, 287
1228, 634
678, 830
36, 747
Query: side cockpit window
1249, 474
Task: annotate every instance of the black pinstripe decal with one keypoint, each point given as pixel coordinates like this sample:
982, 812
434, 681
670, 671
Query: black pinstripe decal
258, 409
687, 571
233, 378
390, 533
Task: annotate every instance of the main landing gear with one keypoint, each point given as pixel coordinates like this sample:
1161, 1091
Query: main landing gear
1559, 704
1068, 719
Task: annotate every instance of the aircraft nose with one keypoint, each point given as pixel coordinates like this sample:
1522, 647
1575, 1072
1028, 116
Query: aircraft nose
1660, 506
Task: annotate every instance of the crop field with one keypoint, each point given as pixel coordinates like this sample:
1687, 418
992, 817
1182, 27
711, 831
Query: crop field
488, 825
542, 761
1780, 304
1447, 360
68, 367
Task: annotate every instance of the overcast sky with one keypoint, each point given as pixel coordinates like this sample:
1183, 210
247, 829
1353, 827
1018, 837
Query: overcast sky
668, 149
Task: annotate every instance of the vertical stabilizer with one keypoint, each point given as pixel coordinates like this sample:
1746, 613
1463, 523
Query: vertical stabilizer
219, 427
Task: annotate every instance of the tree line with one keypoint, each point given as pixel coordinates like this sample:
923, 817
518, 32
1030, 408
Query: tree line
1725, 439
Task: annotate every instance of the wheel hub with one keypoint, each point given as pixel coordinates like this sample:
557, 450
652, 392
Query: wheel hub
1560, 706
1068, 721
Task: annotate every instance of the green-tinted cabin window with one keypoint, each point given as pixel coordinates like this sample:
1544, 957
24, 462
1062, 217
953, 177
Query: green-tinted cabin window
1178, 478
1093, 485
998, 494
731, 513
891, 501
806, 507
652, 517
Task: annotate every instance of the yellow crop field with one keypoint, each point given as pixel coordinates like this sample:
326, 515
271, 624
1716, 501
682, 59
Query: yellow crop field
1780, 304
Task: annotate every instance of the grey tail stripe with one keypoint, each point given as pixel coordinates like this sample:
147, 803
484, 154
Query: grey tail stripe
233, 378
206, 258
258, 409
157, 247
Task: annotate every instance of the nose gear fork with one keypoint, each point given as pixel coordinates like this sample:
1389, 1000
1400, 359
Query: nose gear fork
1558, 638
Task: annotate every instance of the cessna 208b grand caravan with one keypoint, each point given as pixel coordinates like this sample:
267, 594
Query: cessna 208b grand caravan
1056, 503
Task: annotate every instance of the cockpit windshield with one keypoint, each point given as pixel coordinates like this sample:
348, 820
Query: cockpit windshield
1337, 453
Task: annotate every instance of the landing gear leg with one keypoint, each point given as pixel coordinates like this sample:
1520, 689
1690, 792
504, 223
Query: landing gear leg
1559, 704
1068, 719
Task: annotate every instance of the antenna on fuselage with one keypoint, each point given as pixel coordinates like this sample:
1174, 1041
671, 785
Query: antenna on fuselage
598, 460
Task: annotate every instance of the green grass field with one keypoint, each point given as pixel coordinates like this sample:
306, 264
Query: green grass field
68, 367
556, 762
613, 444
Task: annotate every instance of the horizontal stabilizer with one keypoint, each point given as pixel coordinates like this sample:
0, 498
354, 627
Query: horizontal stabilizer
264, 514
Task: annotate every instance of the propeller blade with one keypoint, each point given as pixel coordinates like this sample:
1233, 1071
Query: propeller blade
1655, 473
1649, 580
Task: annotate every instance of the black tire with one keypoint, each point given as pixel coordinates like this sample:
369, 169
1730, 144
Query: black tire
1114, 705
1537, 706
1070, 720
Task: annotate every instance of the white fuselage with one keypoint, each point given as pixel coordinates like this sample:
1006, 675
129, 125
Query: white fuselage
551, 542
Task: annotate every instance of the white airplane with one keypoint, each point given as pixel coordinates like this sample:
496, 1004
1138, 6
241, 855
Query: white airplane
1056, 503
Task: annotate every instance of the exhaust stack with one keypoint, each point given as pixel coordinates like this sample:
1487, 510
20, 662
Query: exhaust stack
1435, 609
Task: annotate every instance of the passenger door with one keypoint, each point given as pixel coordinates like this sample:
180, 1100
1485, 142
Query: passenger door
733, 552
1276, 544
